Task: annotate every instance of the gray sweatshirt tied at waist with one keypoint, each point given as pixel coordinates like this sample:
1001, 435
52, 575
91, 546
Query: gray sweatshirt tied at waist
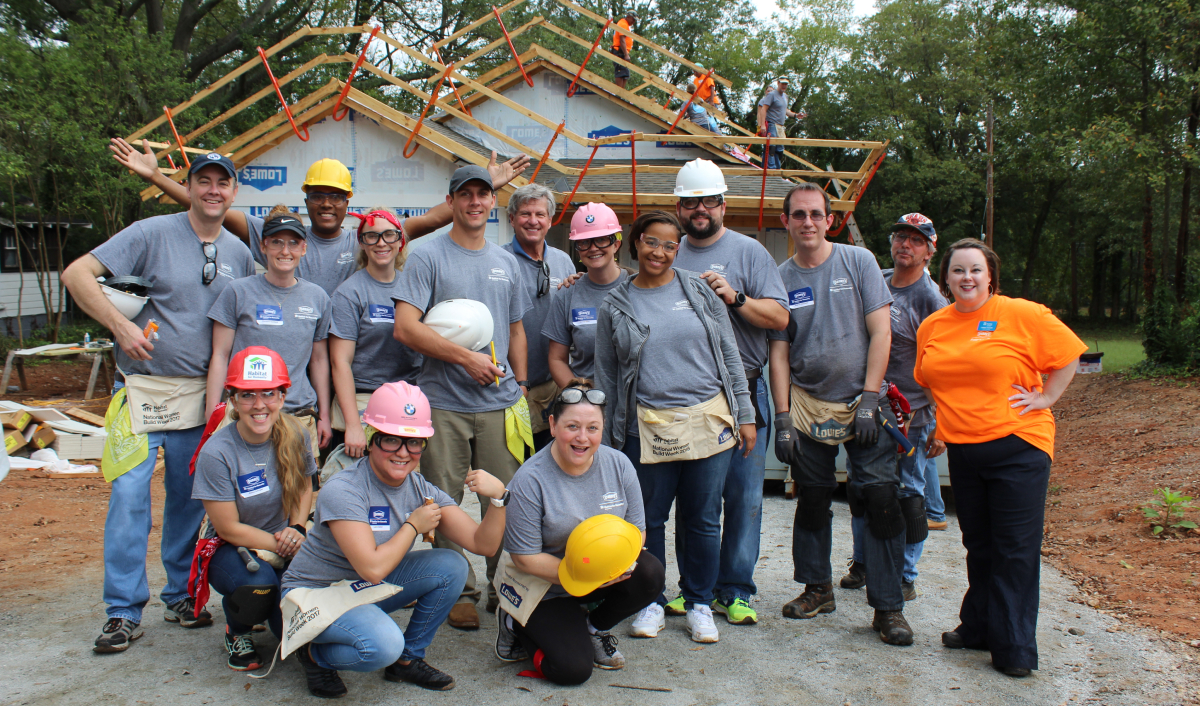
620, 337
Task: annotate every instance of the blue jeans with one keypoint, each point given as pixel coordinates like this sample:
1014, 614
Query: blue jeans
775, 156
912, 484
127, 526
227, 573
696, 486
743, 512
935, 507
365, 638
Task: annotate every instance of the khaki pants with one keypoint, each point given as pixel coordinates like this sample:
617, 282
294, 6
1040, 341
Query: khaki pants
463, 441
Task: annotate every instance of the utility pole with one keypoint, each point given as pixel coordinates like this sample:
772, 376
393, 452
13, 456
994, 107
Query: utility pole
991, 194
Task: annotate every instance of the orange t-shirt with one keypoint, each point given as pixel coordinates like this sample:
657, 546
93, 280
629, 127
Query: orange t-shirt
618, 37
704, 88
971, 361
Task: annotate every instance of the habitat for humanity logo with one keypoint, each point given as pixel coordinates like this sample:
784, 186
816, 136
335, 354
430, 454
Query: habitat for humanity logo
257, 367
610, 131
263, 178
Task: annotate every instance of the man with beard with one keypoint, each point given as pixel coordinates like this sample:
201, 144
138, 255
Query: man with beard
741, 271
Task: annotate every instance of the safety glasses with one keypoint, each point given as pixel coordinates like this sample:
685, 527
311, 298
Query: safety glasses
544, 280
582, 246
251, 396
319, 197
388, 236
574, 395
654, 244
391, 444
691, 202
209, 272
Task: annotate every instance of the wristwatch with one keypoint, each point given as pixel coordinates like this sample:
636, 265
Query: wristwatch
523, 383
502, 501
738, 300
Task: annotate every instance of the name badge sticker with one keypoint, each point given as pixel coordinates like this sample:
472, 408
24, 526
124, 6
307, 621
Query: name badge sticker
253, 483
268, 315
379, 517
381, 314
987, 325
802, 297
583, 316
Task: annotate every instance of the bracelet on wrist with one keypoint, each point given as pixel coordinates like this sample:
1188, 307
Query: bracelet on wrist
415, 530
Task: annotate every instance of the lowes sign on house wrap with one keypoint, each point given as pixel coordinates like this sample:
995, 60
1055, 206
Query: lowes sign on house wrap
263, 178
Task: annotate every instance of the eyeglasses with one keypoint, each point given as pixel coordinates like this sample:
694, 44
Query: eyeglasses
391, 444
801, 215
388, 236
654, 244
574, 395
209, 272
601, 242
255, 395
280, 244
913, 237
544, 280
326, 197
691, 202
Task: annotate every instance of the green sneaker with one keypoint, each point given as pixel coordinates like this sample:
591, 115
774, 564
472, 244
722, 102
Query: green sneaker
738, 612
675, 607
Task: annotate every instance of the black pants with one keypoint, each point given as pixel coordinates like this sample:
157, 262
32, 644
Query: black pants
558, 627
1000, 492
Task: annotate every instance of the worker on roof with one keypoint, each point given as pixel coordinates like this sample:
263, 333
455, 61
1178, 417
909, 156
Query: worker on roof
706, 87
696, 111
328, 186
622, 46
773, 111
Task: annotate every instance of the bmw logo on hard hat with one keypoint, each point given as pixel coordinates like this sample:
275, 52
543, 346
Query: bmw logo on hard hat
410, 410
590, 218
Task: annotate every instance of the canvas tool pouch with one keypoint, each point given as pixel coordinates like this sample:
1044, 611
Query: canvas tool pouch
686, 433
825, 422
520, 593
540, 398
159, 403
337, 421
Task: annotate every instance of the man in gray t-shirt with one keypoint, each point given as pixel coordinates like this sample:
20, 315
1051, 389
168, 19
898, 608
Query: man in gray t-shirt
468, 404
773, 112
189, 259
835, 350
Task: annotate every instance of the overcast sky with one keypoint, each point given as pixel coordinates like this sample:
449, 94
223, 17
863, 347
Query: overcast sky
764, 8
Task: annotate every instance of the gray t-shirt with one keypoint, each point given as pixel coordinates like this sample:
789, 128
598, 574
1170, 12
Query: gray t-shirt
777, 106
355, 494
547, 504
288, 321
749, 269
328, 261
910, 306
678, 367
442, 269
828, 330
572, 321
364, 312
230, 469
561, 267
167, 252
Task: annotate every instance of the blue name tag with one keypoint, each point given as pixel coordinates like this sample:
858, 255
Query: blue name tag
381, 314
987, 325
800, 298
584, 317
269, 315
379, 517
254, 483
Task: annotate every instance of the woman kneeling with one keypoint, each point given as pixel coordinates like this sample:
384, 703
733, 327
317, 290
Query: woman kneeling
368, 517
553, 496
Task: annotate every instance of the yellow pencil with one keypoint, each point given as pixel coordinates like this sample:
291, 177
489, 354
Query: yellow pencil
493, 345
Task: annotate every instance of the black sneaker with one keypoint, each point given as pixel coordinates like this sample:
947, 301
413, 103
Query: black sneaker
856, 576
420, 673
242, 655
322, 682
508, 648
183, 612
117, 635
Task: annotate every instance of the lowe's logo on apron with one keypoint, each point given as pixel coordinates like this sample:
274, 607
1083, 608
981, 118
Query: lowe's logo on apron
361, 585
511, 594
379, 517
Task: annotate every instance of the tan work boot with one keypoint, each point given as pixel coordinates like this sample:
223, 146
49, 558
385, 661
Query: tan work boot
817, 598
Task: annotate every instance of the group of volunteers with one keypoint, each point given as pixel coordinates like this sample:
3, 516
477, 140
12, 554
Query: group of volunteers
580, 404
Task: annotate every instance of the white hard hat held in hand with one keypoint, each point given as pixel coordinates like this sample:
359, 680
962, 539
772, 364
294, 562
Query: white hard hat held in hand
700, 177
465, 322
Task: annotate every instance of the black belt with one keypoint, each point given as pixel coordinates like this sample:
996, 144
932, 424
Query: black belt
753, 373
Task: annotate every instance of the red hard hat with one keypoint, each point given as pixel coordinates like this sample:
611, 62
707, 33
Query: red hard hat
257, 368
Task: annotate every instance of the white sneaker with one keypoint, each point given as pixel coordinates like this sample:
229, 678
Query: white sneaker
700, 624
649, 621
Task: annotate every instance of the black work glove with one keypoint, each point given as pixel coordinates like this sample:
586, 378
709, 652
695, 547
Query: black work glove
866, 426
787, 442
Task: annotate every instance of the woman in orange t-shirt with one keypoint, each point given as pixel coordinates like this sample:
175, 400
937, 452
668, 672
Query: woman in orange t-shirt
972, 357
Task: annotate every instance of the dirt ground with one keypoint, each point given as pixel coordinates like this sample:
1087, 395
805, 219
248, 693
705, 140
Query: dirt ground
52, 380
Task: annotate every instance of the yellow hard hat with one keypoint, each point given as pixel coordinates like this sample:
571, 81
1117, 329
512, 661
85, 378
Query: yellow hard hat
329, 172
599, 550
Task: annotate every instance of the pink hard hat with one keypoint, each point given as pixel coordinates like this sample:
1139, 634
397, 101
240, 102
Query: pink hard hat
594, 220
399, 409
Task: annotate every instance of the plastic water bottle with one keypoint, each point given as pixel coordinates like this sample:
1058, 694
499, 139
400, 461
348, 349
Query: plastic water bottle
87, 339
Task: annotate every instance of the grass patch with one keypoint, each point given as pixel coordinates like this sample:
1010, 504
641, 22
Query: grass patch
1122, 347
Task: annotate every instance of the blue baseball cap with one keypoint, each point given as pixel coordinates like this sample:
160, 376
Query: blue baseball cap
213, 159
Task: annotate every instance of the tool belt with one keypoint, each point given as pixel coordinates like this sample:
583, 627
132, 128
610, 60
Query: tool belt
540, 398
686, 433
519, 592
824, 422
161, 403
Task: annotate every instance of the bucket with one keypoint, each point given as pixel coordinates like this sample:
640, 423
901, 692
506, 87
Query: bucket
1090, 362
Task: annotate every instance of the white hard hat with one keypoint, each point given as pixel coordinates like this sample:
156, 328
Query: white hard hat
700, 177
465, 322
130, 305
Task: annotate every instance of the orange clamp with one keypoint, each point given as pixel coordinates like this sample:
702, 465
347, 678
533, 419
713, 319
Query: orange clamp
182, 153
461, 104
567, 203
349, 79
432, 99
516, 56
546, 154
574, 81
288, 111
683, 110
